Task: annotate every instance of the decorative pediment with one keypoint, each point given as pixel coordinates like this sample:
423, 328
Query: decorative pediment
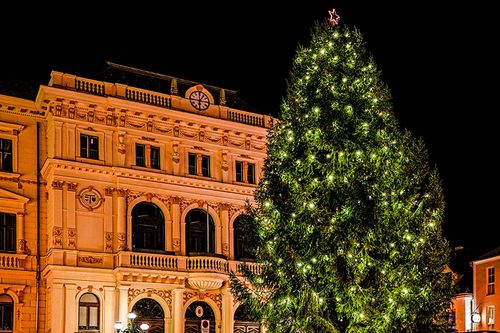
12, 202
10, 128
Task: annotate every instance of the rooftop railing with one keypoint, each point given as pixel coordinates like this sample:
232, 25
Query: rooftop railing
102, 88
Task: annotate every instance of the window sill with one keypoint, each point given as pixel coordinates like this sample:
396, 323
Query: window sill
89, 160
9, 174
200, 177
244, 184
143, 168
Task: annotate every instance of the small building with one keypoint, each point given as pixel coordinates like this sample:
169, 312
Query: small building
125, 194
486, 293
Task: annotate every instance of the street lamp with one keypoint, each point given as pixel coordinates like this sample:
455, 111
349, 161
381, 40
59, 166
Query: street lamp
131, 326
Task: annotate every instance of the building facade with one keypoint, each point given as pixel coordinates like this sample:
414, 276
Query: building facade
486, 293
140, 195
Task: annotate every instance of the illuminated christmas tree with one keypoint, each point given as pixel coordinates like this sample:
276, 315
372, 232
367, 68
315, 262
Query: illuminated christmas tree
349, 212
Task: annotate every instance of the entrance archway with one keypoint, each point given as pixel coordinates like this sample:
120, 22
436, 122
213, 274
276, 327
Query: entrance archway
150, 311
195, 314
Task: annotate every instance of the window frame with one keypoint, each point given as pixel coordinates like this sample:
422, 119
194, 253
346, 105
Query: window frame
89, 137
3, 216
490, 316
88, 306
143, 157
241, 178
5, 305
7, 152
490, 280
11, 132
200, 159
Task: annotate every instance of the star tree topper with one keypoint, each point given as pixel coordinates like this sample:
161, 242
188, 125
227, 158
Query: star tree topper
334, 17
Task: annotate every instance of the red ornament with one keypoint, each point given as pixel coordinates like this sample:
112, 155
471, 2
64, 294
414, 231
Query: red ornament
334, 17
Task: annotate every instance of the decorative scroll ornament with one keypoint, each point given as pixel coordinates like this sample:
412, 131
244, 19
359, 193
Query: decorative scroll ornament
90, 198
334, 17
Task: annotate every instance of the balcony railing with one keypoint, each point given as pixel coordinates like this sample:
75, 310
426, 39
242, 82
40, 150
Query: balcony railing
183, 263
12, 261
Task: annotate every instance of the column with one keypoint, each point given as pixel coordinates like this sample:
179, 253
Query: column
176, 225
121, 220
123, 304
224, 208
178, 312
109, 310
57, 308
199, 161
55, 215
70, 309
108, 220
70, 215
20, 240
227, 311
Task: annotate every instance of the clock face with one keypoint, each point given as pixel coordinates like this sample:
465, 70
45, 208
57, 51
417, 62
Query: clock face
199, 100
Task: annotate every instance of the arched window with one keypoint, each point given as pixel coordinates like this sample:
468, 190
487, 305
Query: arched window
150, 311
148, 228
88, 312
196, 232
6, 313
242, 239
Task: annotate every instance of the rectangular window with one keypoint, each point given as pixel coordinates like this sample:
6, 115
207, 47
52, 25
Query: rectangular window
491, 317
7, 232
6, 155
193, 170
155, 157
89, 146
491, 280
140, 155
251, 173
205, 165
239, 171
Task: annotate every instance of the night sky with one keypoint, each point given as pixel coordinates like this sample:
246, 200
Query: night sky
437, 59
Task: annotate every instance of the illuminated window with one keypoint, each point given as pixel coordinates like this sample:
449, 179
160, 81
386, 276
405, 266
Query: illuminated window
89, 146
7, 232
491, 280
6, 313
88, 312
6, 155
491, 317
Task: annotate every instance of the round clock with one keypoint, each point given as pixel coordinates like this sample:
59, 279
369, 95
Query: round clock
199, 100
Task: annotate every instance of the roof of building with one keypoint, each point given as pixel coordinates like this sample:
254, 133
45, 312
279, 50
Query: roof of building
490, 254
135, 77
158, 82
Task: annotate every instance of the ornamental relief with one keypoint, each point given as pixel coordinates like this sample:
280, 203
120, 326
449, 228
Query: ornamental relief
72, 238
90, 259
164, 294
90, 198
188, 295
57, 236
92, 115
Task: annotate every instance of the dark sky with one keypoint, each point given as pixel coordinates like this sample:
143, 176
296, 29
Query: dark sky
437, 57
